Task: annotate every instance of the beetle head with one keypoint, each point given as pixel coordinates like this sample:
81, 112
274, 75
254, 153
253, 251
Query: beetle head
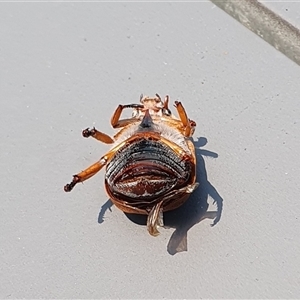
153, 104
156, 107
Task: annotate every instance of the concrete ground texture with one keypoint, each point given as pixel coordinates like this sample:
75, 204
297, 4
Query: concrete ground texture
67, 66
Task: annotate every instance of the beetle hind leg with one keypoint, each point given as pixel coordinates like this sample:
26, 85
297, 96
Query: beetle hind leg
93, 169
155, 219
85, 174
155, 215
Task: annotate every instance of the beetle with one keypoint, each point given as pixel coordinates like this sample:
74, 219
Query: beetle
151, 167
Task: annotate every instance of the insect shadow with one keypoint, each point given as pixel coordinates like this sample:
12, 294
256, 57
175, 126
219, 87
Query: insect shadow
193, 211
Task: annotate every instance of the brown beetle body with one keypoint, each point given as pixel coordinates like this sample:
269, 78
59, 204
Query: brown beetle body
151, 167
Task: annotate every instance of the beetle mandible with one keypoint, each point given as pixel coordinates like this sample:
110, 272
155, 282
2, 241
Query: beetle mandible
151, 167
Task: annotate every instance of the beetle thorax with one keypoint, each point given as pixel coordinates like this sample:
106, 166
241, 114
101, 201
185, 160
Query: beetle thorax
160, 128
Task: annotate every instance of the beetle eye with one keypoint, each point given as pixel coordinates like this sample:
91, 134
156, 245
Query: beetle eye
166, 112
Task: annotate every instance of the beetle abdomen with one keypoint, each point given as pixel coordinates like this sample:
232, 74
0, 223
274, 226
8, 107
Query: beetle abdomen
145, 170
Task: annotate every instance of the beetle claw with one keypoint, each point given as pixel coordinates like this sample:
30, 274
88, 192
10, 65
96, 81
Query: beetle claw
86, 132
69, 186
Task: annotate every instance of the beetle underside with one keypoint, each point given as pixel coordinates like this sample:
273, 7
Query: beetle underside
151, 167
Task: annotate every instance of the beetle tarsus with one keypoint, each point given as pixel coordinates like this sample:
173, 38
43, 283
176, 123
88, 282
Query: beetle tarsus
88, 132
69, 186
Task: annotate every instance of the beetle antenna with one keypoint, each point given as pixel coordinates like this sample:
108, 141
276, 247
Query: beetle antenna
165, 108
158, 97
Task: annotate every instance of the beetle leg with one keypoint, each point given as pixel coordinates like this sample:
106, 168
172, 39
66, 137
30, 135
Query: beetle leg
100, 136
155, 216
85, 174
155, 219
182, 114
93, 169
115, 120
189, 125
192, 127
116, 116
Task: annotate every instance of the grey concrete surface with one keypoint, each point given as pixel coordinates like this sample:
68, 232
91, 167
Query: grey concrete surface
65, 67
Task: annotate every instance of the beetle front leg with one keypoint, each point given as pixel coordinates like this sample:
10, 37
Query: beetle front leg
189, 125
98, 135
115, 119
85, 174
